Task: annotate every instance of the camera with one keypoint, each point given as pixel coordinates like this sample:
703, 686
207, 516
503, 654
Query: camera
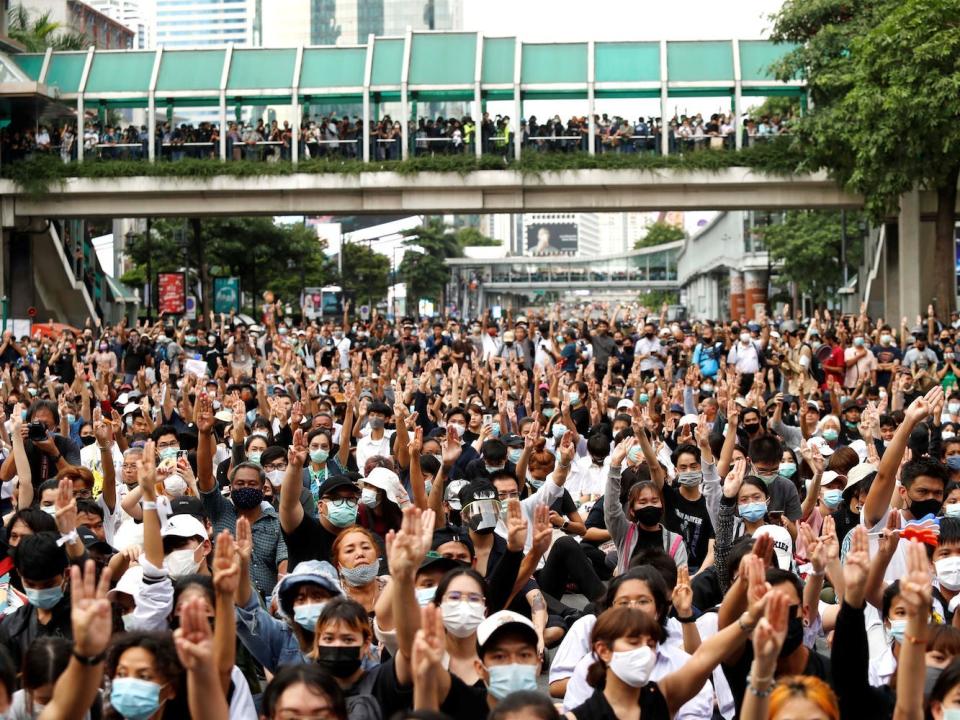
36, 431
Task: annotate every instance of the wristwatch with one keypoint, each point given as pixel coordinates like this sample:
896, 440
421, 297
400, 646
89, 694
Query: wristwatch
566, 524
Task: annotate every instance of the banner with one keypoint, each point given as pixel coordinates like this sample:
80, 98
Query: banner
226, 294
548, 238
171, 293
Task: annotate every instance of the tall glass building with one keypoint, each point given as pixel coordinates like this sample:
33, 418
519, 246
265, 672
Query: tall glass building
198, 23
347, 22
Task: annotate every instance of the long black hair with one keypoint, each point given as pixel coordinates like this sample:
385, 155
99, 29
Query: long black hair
318, 680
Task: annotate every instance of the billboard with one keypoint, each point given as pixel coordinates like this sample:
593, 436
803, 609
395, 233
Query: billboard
226, 294
171, 293
548, 238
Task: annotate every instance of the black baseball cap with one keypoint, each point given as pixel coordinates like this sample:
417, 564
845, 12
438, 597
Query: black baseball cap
188, 505
335, 482
452, 533
435, 561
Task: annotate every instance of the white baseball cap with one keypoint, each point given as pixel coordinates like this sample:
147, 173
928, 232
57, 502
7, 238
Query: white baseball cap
129, 582
782, 544
185, 526
502, 619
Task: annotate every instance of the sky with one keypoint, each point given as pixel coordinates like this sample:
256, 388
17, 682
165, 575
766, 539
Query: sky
561, 20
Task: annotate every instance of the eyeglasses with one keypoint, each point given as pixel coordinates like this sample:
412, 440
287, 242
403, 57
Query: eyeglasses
633, 602
274, 466
514, 495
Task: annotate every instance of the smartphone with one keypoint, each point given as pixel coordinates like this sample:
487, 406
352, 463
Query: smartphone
182, 454
488, 419
776, 516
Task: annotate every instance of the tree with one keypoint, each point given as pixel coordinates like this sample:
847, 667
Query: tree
471, 237
38, 32
659, 233
264, 255
424, 269
808, 245
882, 76
366, 273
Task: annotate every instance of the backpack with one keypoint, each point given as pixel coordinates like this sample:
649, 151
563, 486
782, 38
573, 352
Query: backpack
816, 369
160, 354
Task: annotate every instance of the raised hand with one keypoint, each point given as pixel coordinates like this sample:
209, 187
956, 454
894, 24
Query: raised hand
226, 565
566, 450
194, 637
770, 633
297, 453
757, 585
916, 587
244, 541
66, 514
734, 478
516, 527
147, 471
856, 566
405, 548
683, 593
542, 529
816, 550
812, 455
90, 613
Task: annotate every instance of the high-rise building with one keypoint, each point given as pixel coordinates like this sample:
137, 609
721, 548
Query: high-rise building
137, 15
349, 22
198, 23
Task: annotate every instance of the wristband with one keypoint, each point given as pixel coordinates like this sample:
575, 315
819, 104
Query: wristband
759, 693
686, 620
89, 659
914, 640
148, 505
746, 627
815, 573
66, 538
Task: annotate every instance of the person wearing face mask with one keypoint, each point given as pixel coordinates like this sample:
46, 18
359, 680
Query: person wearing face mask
649, 351
751, 424
747, 355
860, 363
146, 678
274, 464
643, 527
847, 515
382, 497
623, 642
888, 356
41, 564
922, 484
685, 506
377, 441
356, 556
309, 538
765, 453
321, 464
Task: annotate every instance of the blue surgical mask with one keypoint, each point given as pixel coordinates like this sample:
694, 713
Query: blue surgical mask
71, 418
752, 512
425, 595
788, 470
306, 615
254, 457
574, 398
319, 456
507, 679
559, 430
643, 398
953, 462
514, 455
547, 412
830, 434
168, 453
635, 454
134, 698
343, 514
491, 469
44, 598
897, 630
495, 429
832, 498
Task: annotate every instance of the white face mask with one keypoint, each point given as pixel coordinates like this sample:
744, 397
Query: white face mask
181, 563
634, 666
459, 428
461, 618
744, 338
174, 485
276, 476
948, 572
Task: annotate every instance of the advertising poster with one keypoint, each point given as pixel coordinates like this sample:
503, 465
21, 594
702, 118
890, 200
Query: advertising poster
226, 294
550, 238
171, 293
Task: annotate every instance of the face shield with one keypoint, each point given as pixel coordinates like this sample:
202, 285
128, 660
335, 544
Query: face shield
481, 515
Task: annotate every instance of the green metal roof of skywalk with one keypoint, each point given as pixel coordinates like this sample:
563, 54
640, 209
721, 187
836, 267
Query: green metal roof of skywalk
424, 65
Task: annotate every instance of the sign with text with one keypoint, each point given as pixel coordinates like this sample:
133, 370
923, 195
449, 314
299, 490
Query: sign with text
171, 293
226, 294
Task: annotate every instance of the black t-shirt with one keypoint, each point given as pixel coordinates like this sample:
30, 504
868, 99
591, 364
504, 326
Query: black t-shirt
43, 466
564, 505
648, 539
691, 520
382, 686
465, 702
309, 541
595, 519
653, 706
738, 673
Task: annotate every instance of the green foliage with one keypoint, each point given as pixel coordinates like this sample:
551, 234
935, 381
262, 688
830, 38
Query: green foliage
471, 237
785, 106
808, 246
656, 298
264, 255
366, 273
659, 233
423, 268
36, 32
41, 174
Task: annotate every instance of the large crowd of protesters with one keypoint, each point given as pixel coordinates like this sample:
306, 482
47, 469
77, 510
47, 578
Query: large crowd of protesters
585, 511
342, 137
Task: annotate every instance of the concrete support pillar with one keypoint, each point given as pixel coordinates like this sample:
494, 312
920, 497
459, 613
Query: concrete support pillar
916, 245
736, 294
754, 292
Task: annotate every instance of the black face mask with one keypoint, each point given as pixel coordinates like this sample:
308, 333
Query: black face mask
341, 662
794, 636
649, 515
648, 335
88, 440
751, 428
920, 508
